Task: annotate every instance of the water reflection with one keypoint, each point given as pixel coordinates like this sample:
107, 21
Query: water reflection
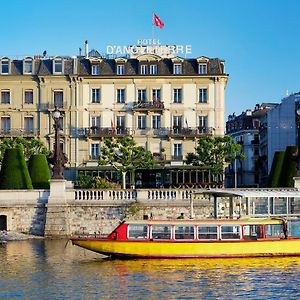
53, 269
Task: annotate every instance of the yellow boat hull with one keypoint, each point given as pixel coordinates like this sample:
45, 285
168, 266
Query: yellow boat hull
169, 249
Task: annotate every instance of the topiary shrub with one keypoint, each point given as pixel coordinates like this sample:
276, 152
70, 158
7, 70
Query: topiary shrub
276, 169
14, 173
39, 171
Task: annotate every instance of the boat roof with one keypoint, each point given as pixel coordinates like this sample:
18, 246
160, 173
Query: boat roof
241, 221
259, 193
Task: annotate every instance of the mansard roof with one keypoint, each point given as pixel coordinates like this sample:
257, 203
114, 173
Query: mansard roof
108, 67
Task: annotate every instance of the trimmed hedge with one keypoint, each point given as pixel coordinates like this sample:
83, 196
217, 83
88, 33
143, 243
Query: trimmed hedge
289, 167
276, 169
14, 173
39, 171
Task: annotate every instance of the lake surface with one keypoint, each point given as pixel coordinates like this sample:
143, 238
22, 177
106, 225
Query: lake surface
54, 269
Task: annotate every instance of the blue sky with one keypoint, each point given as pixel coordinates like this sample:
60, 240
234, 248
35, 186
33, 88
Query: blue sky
258, 39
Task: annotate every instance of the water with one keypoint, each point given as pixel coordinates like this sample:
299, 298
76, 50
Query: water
50, 269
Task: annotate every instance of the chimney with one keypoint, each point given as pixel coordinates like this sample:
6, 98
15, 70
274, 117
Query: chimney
80, 51
86, 49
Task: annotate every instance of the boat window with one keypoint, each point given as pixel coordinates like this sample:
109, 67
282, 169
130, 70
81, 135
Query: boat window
160, 232
184, 232
274, 231
207, 232
252, 232
137, 231
230, 232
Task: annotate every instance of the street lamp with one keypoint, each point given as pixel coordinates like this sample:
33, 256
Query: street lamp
57, 158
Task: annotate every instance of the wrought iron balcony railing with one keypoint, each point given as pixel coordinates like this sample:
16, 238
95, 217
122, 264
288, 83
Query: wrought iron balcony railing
19, 132
149, 105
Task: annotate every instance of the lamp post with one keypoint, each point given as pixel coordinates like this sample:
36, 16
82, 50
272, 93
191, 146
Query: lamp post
57, 158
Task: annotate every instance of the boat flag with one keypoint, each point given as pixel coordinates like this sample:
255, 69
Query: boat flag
158, 22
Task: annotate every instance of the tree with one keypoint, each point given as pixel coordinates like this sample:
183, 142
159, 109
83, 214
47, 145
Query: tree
214, 152
276, 169
29, 146
124, 155
14, 172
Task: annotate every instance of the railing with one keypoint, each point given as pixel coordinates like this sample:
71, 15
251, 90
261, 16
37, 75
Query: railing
51, 106
190, 131
19, 132
95, 132
134, 195
149, 105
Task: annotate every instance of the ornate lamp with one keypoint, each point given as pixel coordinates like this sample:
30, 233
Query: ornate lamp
57, 158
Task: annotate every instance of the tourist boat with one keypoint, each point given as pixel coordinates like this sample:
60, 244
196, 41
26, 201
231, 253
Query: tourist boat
197, 239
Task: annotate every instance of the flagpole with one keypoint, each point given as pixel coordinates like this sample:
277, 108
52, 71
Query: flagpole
152, 26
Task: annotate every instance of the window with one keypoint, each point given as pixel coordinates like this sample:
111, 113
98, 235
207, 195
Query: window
177, 95
28, 66
230, 232
28, 97
120, 69
58, 99
95, 95
120, 95
28, 124
274, 231
4, 66
207, 232
156, 95
184, 232
156, 121
5, 124
202, 95
58, 65
202, 121
95, 121
202, 68
142, 95
144, 69
177, 122
153, 69
95, 151
161, 232
177, 151
142, 122
137, 231
5, 97
120, 124
252, 232
177, 69
95, 69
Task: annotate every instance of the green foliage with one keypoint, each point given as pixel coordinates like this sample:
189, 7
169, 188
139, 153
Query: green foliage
125, 156
14, 173
289, 167
96, 182
213, 152
29, 146
39, 171
274, 176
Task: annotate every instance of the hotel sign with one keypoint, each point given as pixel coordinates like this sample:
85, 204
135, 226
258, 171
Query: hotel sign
149, 46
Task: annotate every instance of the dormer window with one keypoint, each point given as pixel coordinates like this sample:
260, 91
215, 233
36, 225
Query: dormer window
95, 70
120, 69
144, 69
202, 68
57, 66
153, 69
28, 66
177, 69
4, 66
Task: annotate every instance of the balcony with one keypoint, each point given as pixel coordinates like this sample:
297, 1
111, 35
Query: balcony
19, 132
97, 132
51, 106
177, 131
156, 106
177, 157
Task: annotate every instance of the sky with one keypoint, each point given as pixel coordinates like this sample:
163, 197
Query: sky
258, 39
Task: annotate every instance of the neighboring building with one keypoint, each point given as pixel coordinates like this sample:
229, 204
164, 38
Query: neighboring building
245, 130
164, 103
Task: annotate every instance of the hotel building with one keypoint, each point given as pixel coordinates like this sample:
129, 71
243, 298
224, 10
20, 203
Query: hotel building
164, 103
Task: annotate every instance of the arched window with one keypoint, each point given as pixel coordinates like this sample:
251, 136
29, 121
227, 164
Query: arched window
5, 65
58, 65
28, 65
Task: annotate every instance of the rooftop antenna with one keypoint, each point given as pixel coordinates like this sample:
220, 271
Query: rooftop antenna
80, 51
86, 49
